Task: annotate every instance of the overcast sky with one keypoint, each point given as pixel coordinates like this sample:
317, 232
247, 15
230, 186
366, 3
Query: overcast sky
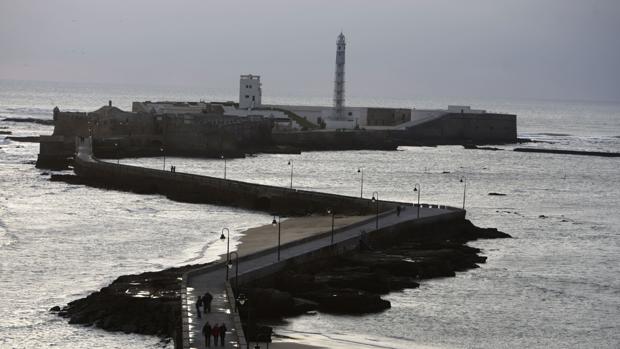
556, 49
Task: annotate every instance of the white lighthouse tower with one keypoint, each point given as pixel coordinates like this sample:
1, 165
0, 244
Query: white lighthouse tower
339, 79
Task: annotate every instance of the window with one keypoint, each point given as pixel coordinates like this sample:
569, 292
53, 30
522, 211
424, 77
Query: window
247, 96
350, 113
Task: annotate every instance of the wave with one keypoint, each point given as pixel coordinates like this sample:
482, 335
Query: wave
203, 251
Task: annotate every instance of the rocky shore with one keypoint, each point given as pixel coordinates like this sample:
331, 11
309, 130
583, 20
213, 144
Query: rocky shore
150, 303
353, 283
147, 303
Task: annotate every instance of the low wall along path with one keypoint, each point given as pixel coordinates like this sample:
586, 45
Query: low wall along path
262, 263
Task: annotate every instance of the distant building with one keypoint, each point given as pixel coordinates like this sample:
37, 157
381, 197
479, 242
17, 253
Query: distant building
464, 109
249, 92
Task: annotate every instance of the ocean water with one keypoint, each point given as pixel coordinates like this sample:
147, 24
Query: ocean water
554, 285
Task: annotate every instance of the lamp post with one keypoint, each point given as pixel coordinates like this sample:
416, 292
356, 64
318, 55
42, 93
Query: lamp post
223, 158
361, 171
464, 181
418, 188
279, 223
229, 266
376, 201
290, 163
227, 237
242, 299
117, 155
164, 154
333, 214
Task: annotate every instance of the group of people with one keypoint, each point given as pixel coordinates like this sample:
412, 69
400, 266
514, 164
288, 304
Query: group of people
215, 331
205, 302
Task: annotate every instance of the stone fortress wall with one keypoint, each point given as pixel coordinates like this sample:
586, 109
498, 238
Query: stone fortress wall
119, 133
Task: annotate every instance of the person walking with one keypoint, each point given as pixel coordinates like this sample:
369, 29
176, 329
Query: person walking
206, 331
222, 333
199, 302
215, 331
206, 300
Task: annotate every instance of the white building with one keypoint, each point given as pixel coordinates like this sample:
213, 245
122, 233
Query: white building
249, 91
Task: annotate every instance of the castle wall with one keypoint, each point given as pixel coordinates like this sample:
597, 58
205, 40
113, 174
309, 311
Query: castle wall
337, 140
464, 128
118, 133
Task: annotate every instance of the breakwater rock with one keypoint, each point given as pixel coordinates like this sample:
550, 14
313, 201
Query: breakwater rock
150, 303
31, 120
147, 303
568, 152
354, 282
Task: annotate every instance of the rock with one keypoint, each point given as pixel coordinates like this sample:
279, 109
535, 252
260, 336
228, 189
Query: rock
118, 307
347, 301
471, 232
361, 278
55, 309
496, 194
295, 281
31, 120
270, 302
27, 139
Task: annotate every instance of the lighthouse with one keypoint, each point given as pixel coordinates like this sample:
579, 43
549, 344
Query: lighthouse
339, 79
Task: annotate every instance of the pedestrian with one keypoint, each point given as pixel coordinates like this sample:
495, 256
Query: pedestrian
398, 210
199, 302
222, 333
206, 331
206, 301
215, 331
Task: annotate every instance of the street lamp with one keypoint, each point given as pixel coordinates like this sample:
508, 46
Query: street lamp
464, 181
117, 155
290, 163
376, 201
164, 154
229, 266
222, 237
418, 188
223, 158
333, 214
242, 299
361, 171
279, 223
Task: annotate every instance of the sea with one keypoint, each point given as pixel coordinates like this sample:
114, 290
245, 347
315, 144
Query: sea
555, 284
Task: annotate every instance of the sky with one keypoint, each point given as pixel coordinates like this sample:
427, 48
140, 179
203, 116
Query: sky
546, 49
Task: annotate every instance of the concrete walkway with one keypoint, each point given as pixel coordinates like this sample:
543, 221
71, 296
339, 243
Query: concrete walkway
213, 279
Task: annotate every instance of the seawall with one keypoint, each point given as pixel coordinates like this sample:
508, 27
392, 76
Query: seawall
203, 189
465, 128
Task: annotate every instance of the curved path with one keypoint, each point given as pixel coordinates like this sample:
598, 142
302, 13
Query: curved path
212, 278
